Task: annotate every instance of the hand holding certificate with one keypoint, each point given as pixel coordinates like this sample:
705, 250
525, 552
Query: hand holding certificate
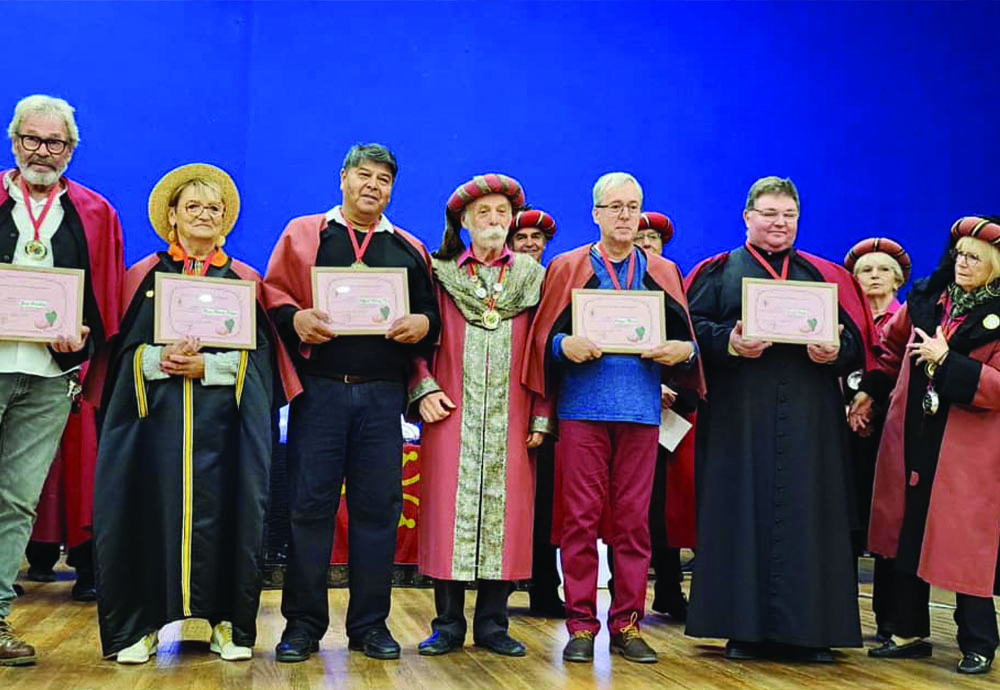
790, 311
621, 322
360, 300
219, 312
41, 304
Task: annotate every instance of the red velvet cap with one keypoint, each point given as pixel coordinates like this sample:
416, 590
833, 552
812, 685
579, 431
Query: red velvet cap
482, 185
884, 245
651, 220
535, 218
982, 228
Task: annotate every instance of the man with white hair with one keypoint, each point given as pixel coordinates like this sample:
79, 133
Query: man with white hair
609, 417
46, 221
478, 479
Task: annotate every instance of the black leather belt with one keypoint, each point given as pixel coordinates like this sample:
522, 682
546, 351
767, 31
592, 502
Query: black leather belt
347, 378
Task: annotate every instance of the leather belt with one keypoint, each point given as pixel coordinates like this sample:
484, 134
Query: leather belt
347, 378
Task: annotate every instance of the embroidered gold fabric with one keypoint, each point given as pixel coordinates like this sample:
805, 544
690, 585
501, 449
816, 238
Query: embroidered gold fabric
522, 287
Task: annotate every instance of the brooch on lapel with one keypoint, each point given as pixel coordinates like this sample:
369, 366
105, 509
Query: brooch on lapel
991, 321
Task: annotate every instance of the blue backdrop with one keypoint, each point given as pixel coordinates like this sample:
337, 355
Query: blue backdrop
884, 114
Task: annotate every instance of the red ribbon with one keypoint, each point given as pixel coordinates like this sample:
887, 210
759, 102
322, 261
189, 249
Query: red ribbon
614, 274
359, 250
37, 223
763, 262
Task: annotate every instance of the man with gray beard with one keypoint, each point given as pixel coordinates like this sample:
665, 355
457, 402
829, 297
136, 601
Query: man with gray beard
478, 479
46, 221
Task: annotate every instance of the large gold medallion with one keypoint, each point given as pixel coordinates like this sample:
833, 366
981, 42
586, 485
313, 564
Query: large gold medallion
36, 250
491, 319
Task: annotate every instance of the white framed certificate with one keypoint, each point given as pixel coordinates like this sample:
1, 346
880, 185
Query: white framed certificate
360, 300
40, 304
620, 322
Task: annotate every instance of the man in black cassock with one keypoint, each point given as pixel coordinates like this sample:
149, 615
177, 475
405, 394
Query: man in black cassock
775, 572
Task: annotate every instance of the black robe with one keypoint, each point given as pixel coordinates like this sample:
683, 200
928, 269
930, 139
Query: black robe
773, 478
180, 493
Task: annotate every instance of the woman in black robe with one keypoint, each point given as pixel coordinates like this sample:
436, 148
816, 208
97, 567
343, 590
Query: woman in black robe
185, 447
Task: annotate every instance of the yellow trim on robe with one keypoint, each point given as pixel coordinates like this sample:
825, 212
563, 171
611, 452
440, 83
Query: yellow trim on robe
188, 480
241, 375
140, 382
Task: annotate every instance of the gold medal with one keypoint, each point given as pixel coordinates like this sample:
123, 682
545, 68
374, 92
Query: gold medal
358, 264
36, 250
930, 368
491, 319
991, 321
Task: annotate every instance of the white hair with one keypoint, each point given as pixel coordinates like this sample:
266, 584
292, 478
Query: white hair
49, 105
612, 180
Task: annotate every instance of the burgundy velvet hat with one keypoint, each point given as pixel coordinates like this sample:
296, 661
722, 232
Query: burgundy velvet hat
651, 220
535, 218
884, 245
482, 185
985, 228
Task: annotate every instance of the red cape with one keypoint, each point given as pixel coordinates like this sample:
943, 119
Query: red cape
574, 270
289, 277
849, 293
106, 255
105, 247
289, 379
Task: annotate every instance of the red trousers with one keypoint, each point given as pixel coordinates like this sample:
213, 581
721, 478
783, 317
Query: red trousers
595, 460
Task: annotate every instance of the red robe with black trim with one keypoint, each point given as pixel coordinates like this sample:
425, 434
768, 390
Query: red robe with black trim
72, 477
574, 270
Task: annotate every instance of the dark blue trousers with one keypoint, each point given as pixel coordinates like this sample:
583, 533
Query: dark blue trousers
339, 431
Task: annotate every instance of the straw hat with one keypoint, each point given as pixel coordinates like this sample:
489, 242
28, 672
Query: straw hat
159, 198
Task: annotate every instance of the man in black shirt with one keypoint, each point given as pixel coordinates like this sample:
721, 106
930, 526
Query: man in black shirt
346, 422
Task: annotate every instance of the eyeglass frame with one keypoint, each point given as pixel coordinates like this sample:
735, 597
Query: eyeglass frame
47, 142
971, 260
632, 211
767, 215
201, 209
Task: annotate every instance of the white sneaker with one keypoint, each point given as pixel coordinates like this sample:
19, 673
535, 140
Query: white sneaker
223, 645
140, 651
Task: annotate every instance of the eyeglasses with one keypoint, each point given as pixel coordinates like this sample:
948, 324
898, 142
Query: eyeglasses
652, 235
617, 208
194, 209
33, 143
971, 260
771, 215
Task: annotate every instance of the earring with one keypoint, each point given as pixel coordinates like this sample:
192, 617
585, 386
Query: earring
172, 236
221, 242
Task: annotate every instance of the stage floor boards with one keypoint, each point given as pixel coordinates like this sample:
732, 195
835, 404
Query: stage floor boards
65, 634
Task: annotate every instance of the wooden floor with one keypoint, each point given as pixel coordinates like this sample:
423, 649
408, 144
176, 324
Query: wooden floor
65, 634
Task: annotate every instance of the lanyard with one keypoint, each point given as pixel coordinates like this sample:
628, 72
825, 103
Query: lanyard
203, 269
37, 223
763, 262
614, 274
359, 250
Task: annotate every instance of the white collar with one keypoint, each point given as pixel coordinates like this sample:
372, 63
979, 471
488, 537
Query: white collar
383, 225
14, 190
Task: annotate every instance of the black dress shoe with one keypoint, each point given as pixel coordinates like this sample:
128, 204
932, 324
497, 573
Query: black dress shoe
503, 644
673, 604
438, 644
919, 649
41, 574
83, 591
580, 648
377, 643
295, 646
973, 664
742, 651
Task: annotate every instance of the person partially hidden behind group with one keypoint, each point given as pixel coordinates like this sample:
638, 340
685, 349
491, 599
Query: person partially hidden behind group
185, 451
882, 267
936, 504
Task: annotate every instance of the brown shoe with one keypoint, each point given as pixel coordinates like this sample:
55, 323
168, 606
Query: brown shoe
13, 651
629, 643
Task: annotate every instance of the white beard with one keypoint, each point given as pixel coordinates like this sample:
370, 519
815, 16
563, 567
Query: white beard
40, 179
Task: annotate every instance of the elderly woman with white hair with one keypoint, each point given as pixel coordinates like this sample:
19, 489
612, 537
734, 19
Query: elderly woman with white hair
936, 505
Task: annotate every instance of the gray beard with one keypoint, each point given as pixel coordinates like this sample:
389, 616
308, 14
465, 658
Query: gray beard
38, 179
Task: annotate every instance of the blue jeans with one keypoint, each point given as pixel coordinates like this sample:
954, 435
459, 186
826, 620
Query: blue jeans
339, 431
33, 414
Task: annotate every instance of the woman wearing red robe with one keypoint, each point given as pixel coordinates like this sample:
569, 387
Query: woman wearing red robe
936, 505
